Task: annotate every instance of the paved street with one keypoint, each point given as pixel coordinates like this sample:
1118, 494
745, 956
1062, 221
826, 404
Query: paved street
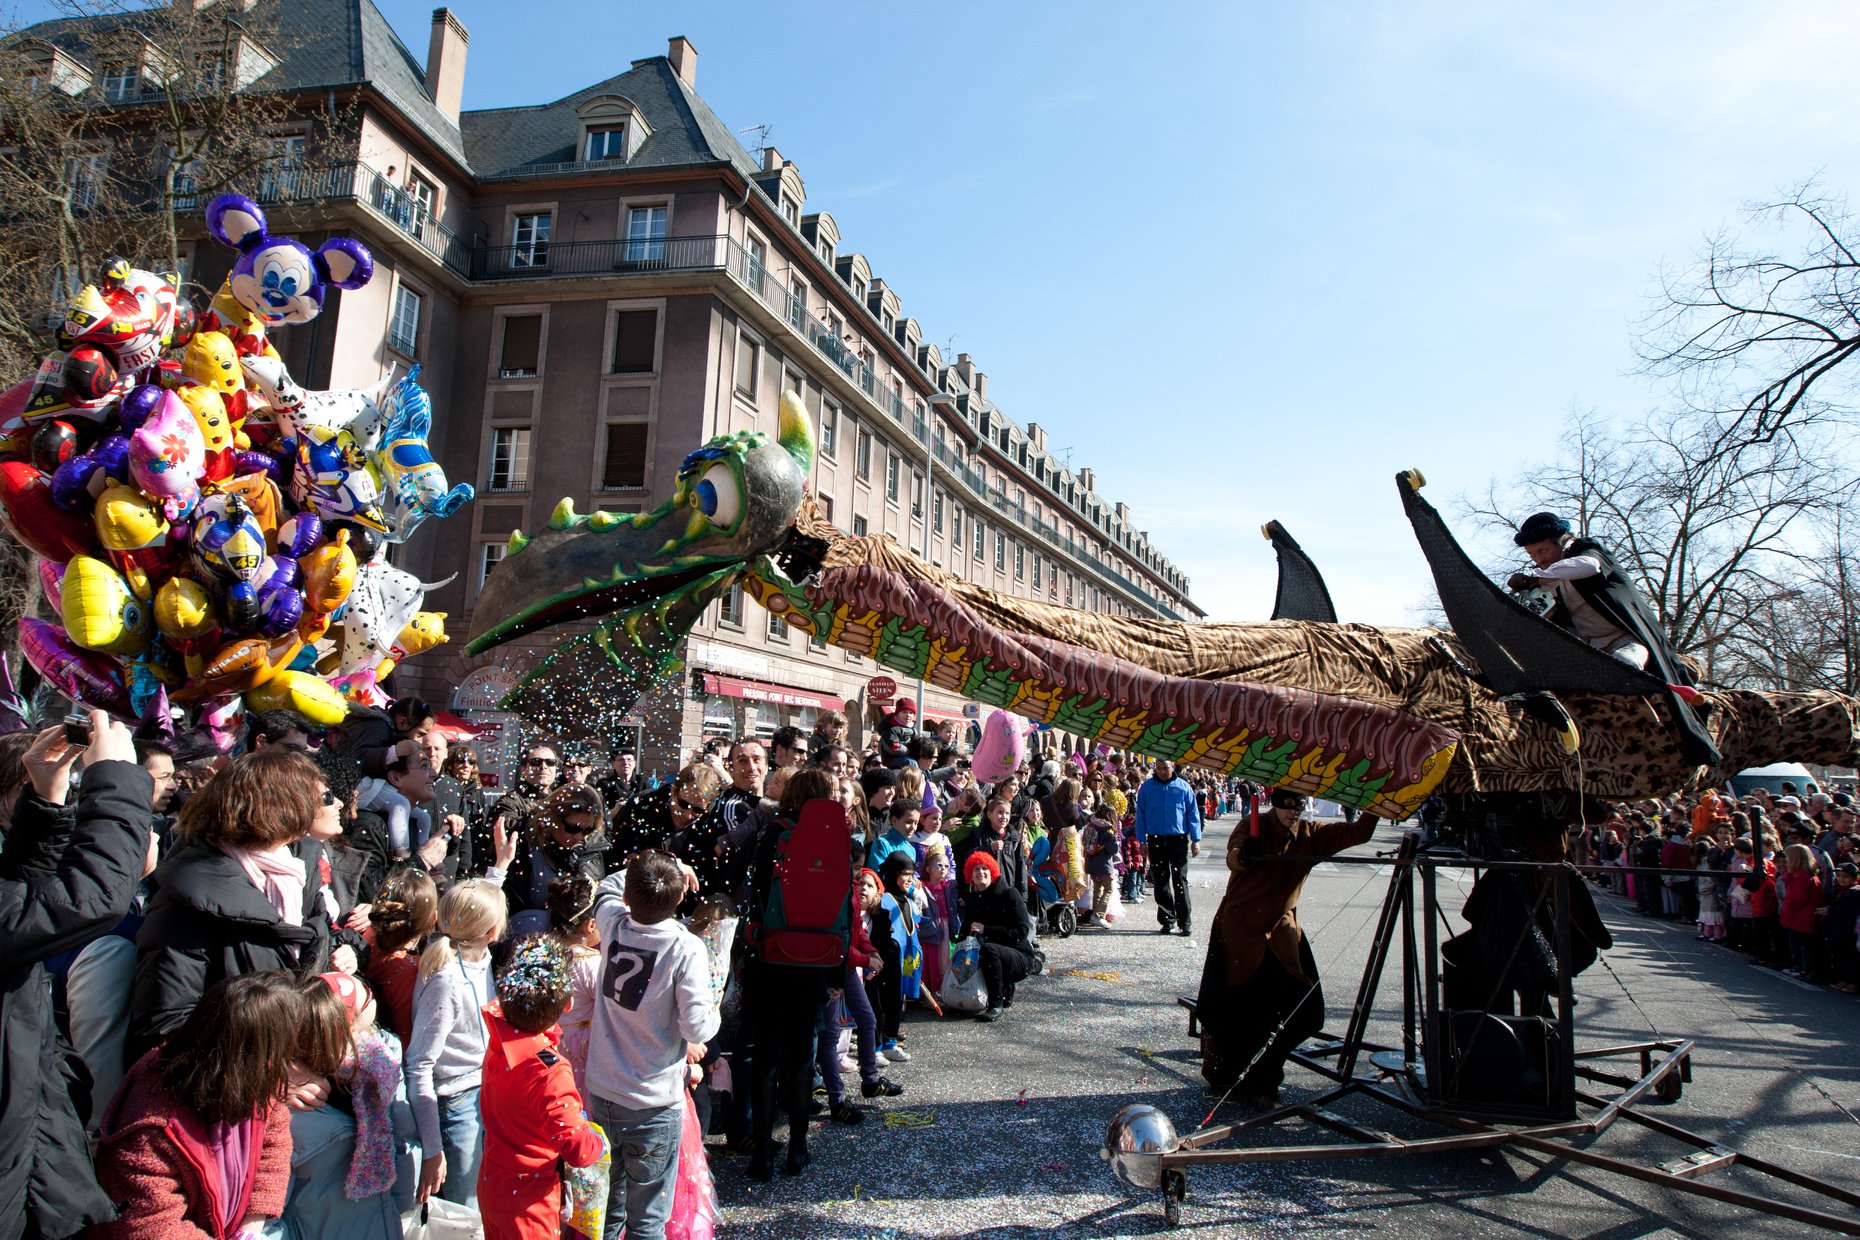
999, 1132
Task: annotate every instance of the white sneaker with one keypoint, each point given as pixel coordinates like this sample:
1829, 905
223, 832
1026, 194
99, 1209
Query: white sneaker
849, 1064
897, 1054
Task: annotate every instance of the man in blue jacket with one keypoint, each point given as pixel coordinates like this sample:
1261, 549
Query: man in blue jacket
1169, 824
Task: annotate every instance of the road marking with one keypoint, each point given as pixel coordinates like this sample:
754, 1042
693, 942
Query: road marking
1325, 867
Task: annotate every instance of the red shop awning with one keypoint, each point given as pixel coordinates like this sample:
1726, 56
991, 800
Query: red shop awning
934, 713
759, 691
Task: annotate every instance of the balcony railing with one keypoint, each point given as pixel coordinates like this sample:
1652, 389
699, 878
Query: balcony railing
292, 184
539, 259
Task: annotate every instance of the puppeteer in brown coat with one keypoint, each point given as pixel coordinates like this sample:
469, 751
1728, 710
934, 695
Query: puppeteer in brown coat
1259, 969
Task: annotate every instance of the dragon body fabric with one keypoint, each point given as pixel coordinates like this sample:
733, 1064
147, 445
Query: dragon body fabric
1374, 718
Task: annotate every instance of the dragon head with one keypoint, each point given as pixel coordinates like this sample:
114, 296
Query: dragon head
735, 498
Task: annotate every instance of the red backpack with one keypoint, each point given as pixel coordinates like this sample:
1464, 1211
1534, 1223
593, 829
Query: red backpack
807, 919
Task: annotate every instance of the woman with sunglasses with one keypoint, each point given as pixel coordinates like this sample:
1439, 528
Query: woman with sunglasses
652, 818
1260, 995
243, 892
559, 842
458, 791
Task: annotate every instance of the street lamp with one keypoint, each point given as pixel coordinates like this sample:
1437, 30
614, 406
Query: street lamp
938, 400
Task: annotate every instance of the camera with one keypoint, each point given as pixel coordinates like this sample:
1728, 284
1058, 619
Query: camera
77, 728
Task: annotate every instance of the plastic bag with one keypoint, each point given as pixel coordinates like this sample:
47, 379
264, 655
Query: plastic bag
964, 988
584, 1194
440, 1219
694, 1196
1113, 908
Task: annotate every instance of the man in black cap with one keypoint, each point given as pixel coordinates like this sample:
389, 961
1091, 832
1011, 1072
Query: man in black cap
1598, 602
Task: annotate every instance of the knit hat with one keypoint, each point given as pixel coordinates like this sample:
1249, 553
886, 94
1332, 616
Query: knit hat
1540, 527
353, 992
905, 706
878, 777
983, 861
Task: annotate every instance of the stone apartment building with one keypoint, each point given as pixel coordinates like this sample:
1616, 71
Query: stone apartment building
595, 285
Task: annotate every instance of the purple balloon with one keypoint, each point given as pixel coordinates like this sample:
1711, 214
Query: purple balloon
300, 535
77, 483
285, 575
137, 404
252, 461
280, 612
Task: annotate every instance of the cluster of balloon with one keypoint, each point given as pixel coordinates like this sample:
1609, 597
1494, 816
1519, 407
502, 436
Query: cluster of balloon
209, 532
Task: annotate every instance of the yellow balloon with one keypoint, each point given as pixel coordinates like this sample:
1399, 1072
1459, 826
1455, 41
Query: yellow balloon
128, 520
311, 696
426, 630
329, 574
99, 611
183, 609
211, 359
209, 410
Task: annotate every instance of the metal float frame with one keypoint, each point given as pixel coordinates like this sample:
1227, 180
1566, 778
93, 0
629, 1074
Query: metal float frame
1407, 1077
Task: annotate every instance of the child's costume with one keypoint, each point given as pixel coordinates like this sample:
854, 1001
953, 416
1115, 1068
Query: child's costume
903, 916
578, 1022
530, 1090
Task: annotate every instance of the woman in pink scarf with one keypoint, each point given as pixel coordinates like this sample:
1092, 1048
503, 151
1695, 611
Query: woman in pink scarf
243, 892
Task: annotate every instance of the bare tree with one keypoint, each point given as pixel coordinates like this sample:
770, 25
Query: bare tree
1710, 522
1758, 333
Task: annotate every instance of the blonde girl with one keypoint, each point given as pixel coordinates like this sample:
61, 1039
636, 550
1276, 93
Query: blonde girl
446, 1056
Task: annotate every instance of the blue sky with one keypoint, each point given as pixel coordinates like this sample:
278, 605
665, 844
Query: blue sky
1248, 260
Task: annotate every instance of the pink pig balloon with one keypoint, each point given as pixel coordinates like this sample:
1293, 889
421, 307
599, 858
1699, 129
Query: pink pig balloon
1004, 743
167, 455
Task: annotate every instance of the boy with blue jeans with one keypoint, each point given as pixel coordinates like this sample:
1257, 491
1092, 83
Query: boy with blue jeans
652, 1016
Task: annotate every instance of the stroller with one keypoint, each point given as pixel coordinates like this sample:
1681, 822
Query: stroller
1049, 878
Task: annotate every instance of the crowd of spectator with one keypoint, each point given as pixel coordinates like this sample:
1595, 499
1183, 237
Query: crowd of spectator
301, 989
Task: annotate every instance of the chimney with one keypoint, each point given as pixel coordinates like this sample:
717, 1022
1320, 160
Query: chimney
684, 60
771, 159
981, 385
1088, 480
445, 63
965, 368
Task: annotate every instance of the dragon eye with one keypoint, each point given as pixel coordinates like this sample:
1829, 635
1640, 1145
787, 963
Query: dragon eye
718, 496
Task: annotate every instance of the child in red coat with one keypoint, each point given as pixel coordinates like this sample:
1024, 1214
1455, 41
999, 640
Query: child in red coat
1801, 900
532, 1111
197, 1141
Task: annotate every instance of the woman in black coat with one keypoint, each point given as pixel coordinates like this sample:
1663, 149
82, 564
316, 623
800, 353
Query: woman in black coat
559, 842
243, 892
993, 911
66, 877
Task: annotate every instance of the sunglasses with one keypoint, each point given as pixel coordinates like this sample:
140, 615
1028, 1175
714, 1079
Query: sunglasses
1288, 802
569, 828
329, 798
681, 806
540, 762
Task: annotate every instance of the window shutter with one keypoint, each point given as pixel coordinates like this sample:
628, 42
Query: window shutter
634, 341
522, 344
626, 455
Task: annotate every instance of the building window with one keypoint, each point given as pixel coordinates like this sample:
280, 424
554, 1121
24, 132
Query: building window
826, 506
1000, 552
917, 495
522, 350
891, 476
748, 364
530, 240
645, 234
625, 463
829, 429
1036, 572
859, 527
404, 326
890, 321
790, 212
797, 302
84, 176
606, 142
981, 539
636, 342
488, 556
756, 261
1020, 562
510, 458
425, 198
936, 511
858, 290
730, 608
121, 83
778, 628
862, 463
955, 528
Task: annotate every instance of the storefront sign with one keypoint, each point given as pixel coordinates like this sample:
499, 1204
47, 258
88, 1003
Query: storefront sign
758, 691
881, 687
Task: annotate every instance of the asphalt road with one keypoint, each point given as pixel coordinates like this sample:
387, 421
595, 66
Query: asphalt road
999, 1131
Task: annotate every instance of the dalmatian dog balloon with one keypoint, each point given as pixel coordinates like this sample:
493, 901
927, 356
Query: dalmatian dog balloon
280, 280
383, 602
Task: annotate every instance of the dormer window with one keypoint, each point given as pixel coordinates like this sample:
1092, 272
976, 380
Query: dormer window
790, 212
612, 129
826, 253
858, 290
607, 142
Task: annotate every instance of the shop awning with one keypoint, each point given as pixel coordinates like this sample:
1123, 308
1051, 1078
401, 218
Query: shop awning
455, 728
760, 691
936, 713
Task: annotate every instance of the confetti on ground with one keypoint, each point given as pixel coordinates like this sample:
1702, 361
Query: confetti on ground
858, 1194
1020, 1099
909, 1119
1114, 979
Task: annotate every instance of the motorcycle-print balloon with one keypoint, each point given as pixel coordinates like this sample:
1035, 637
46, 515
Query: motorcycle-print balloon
53, 444
98, 610
166, 456
335, 480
